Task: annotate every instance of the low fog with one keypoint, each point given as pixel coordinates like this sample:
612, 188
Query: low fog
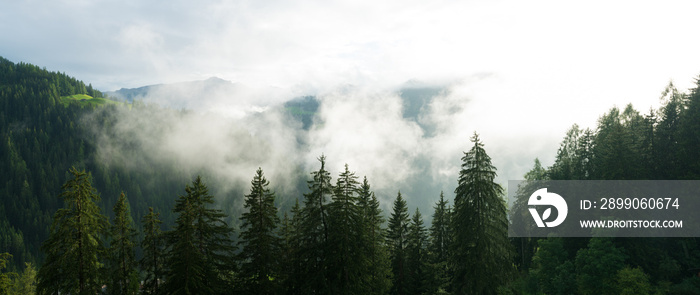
409, 138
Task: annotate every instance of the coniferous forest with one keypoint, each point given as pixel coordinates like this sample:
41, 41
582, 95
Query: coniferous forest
71, 224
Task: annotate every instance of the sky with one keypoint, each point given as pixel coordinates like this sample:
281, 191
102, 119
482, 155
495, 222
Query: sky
519, 73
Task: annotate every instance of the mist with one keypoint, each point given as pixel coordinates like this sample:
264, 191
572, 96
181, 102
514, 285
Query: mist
408, 138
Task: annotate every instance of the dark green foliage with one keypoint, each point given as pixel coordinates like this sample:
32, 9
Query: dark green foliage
378, 271
666, 149
397, 239
416, 258
328, 246
552, 268
152, 261
597, 267
291, 270
525, 247
438, 247
627, 145
200, 255
260, 245
187, 271
123, 276
74, 249
347, 261
314, 232
41, 138
689, 134
480, 227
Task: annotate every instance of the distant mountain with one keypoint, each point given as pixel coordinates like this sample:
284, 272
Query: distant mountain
188, 95
217, 93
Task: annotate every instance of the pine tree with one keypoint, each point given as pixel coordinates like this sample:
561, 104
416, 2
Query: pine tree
200, 258
291, 249
520, 217
286, 264
416, 260
481, 254
378, 272
186, 266
397, 237
438, 247
152, 245
346, 261
314, 233
75, 248
123, 275
259, 241
666, 149
689, 133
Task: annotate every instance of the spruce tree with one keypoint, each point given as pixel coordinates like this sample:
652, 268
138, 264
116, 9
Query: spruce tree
314, 232
152, 245
123, 275
200, 258
186, 266
397, 238
439, 244
416, 255
481, 254
438, 247
346, 261
75, 248
258, 240
378, 272
291, 249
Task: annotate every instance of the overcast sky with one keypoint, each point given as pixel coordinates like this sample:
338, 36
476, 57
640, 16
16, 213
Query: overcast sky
527, 69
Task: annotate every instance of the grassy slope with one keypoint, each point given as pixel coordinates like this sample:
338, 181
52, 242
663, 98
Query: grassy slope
85, 100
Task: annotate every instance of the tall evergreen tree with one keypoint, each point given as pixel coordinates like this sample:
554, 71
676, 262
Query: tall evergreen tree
75, 248
519, 215
200, 258
346, 261
689, 133
123, 275
397, 238
291, 249
480, 227
258, 240
666, 149
416, 255
152, 245
438, 246
378, 272
314, 232
286, 256
186, 266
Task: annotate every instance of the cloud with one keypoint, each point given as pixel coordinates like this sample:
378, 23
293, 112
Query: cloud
229, 134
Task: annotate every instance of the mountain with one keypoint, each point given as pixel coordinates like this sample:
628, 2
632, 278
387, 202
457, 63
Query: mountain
178, 95
48, 123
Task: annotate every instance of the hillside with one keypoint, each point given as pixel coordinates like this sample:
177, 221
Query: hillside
50, 122
47, 120
85, 100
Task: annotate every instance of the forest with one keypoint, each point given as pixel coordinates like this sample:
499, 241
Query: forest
70, 223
